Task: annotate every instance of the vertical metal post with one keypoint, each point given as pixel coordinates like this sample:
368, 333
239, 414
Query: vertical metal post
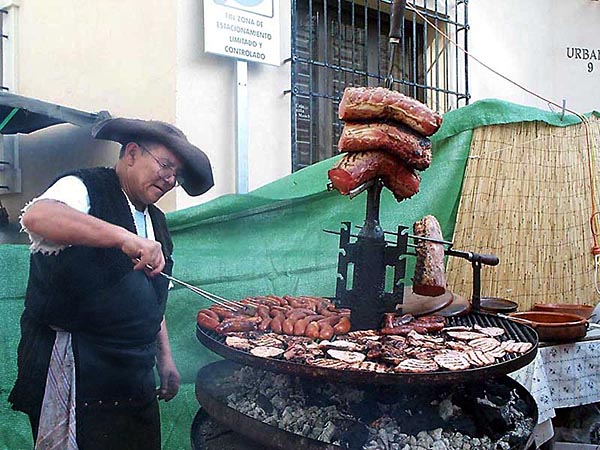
241, 130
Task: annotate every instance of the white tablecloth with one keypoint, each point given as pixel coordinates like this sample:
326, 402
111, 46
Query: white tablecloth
562, 376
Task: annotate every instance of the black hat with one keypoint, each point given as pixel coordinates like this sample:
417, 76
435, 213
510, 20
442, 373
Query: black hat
198, 177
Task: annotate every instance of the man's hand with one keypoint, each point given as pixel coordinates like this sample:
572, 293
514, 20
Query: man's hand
169, 378
144, 253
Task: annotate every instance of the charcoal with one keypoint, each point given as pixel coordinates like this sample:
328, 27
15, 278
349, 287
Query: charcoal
490, 416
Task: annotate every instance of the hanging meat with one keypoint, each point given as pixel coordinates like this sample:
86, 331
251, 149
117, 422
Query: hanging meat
369, 104
430, 275
358, 167
385, 136
398, 140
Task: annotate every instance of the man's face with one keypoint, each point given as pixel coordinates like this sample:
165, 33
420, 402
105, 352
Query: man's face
150, 175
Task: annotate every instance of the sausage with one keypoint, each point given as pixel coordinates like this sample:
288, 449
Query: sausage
280, 300
223, 313
401, 330
331, 321
287, 326
302, 323
325, 331
264, 324
210, 313
396, 139
298, 313
298, 302
326, 309
368, 104
274, 310
236, 324
343, 326
312, 330
267, 301
276, 323
300, 327
432, 327
263, 311
430, 275
205, 321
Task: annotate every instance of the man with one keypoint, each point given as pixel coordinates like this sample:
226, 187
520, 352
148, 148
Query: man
93, 325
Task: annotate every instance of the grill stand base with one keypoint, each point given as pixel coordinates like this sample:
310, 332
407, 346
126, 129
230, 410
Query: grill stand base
363, 264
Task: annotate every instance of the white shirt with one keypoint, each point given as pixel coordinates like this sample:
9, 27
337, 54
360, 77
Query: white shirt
71, 191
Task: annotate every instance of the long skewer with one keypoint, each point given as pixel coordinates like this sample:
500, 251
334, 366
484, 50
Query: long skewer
225, 303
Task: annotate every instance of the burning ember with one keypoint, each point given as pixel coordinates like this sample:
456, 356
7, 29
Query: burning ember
490, 415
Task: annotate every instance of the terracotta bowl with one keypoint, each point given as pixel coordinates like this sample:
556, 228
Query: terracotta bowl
584, 311
553, 326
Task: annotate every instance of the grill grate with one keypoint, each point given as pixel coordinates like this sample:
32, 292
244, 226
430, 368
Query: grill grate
507, 364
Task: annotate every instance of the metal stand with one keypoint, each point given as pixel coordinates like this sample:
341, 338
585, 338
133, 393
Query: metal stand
363, 265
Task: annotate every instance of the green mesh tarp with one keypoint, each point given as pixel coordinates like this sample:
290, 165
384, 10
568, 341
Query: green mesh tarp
267, 241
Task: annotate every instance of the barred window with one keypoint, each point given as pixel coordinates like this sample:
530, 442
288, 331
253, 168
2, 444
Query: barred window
340, 43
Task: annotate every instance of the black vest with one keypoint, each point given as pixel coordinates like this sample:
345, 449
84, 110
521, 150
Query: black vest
113, 312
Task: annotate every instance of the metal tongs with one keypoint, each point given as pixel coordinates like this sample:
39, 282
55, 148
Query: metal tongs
231, 305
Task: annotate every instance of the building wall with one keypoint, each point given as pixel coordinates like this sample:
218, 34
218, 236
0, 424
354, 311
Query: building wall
92, 56
206, 107
527, 41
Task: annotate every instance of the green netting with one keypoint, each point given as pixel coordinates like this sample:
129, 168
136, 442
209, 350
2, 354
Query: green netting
267, 241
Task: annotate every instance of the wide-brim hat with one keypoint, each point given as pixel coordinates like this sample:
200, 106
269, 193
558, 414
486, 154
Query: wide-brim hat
198, 177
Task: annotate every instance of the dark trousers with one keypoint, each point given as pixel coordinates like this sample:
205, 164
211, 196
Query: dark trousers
109, 428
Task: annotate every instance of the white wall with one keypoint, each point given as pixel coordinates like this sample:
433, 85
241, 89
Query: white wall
206, 87
90, 55
527, 42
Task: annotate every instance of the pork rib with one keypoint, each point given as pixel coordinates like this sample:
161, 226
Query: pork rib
369, 104
399, 140
354, 169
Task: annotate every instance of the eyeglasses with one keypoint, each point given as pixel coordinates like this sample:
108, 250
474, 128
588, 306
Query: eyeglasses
166, 171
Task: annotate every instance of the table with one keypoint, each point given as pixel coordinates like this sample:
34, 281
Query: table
562, 376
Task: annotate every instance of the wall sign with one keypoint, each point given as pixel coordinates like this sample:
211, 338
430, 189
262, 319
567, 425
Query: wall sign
590, 56
243, 29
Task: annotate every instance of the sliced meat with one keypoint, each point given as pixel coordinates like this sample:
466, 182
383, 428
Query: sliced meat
511, 346
416, 365
490, 331
465, 335
238, 343
346, 356
267, 352
328, 363
413, 149
430, 275
269, 340
452, 360
368, 104
486, 344
340, 344
370, 366
478, 358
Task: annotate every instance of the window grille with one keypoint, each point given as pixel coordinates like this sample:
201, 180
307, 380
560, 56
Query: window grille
3, 39
341, 43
